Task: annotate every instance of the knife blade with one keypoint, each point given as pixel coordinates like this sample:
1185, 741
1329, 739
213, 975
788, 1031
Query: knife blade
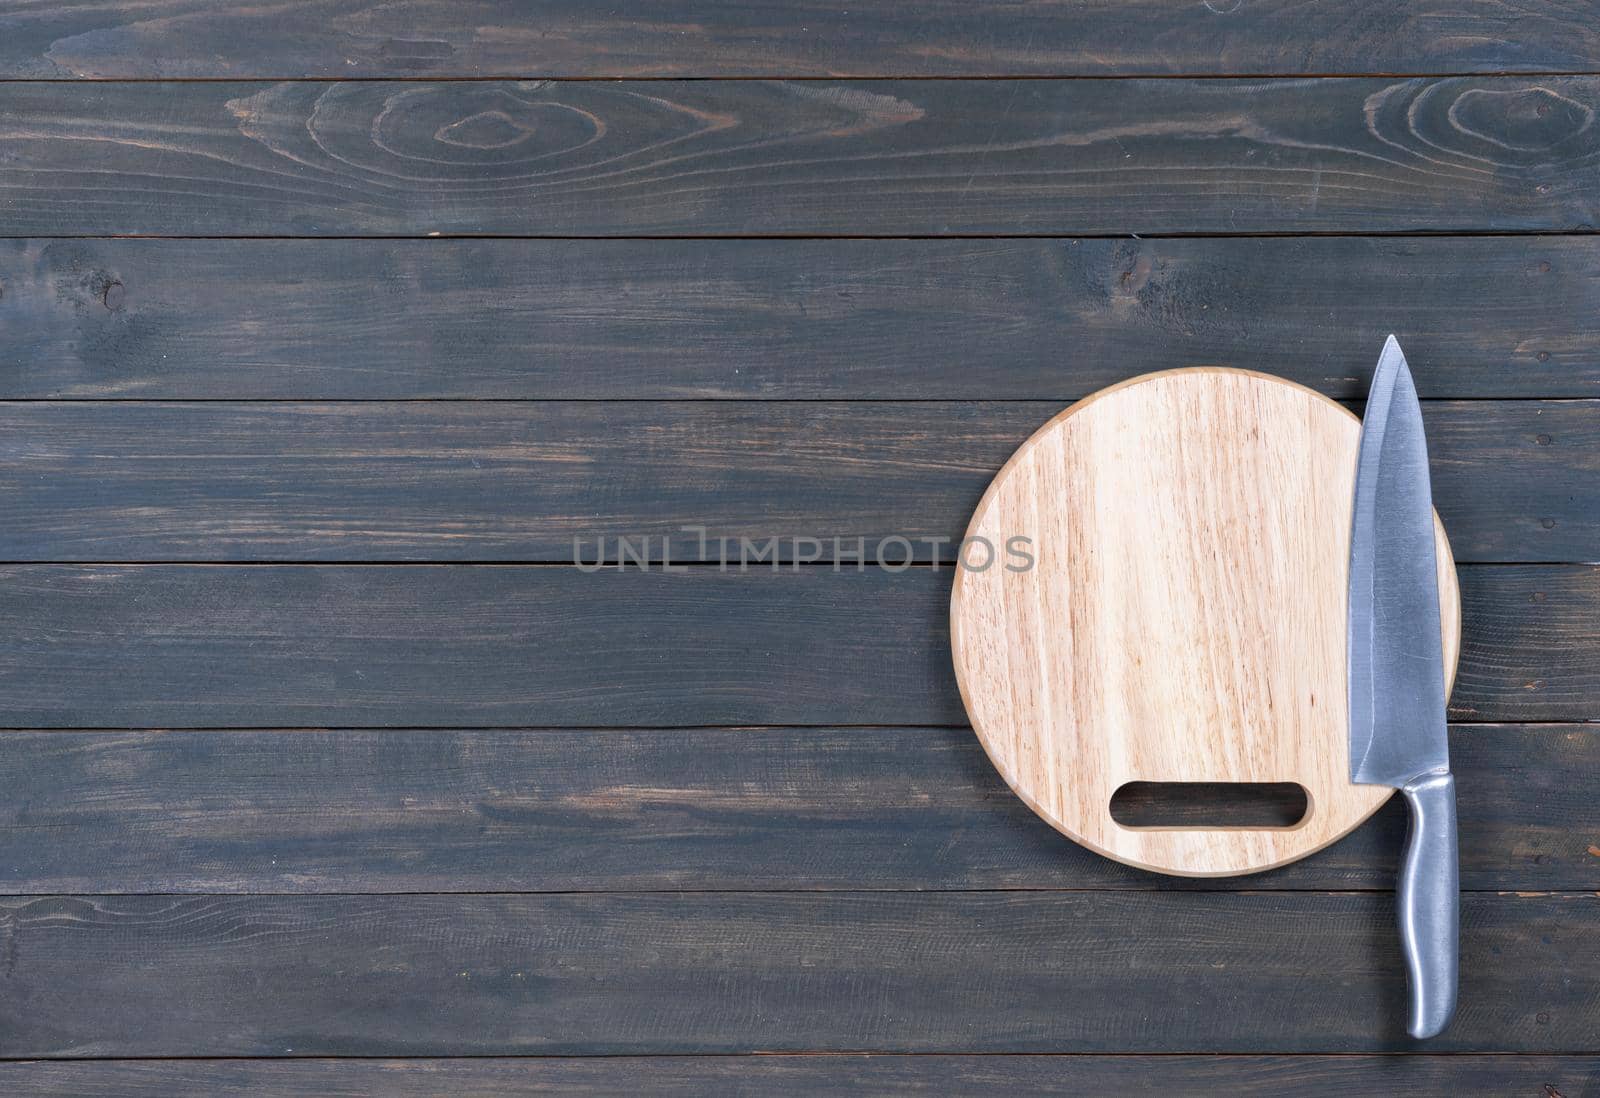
1396, 679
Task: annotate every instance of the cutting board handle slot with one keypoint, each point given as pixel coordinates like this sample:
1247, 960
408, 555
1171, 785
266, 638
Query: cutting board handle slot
1231, 805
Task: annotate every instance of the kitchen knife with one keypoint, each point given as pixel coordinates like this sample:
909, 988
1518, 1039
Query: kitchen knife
1396, 687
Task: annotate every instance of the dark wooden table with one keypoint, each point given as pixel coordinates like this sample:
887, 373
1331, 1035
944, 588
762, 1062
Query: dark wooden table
326, 326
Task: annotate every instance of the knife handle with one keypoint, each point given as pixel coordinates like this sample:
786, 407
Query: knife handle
1429, 902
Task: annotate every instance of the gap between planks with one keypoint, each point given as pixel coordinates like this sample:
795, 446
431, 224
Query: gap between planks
750, 78
1383, 234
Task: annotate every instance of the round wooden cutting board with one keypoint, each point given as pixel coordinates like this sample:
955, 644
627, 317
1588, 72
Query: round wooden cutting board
1184, 617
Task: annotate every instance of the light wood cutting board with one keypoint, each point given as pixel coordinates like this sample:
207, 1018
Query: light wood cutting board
1184, 620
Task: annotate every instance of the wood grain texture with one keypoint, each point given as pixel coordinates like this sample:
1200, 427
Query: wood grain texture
350, 38
624, 793
741, 158
786, 319
1523, 634
264, 646
1069, 1076
1514, 481
359, 811
1171, 522
727, 972
463, 645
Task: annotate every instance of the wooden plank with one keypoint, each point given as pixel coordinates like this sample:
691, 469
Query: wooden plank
742, 158
739, 972
785, 319
176, 38
559, 482
451, 645
1557, 446
460, 645
570, 810
694, 1076
1527, 631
